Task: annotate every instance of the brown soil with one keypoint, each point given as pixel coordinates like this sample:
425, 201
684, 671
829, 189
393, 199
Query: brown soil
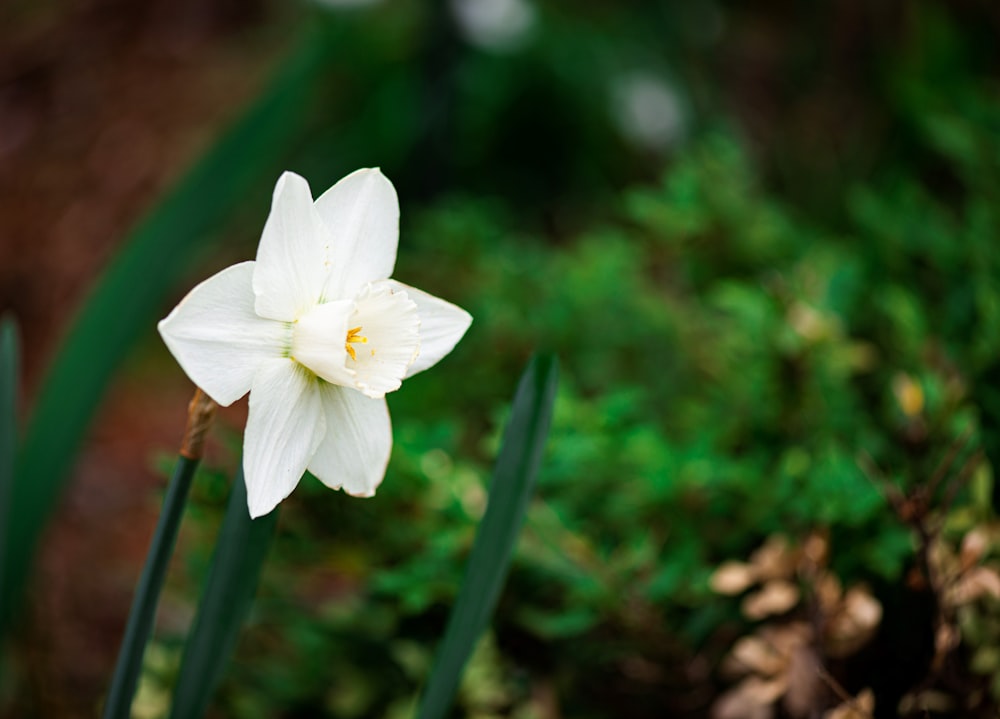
102, 104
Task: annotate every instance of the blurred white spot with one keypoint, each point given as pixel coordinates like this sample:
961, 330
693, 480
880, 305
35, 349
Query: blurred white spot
494, 24
648, 110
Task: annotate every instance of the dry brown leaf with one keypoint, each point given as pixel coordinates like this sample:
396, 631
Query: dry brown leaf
975, 543
763, 691
805, 687
732, 578
756, 654
776, 597
861, 707
774, 559
946, 638
816, 550
786, 638
828, 592
864, 610
854, 624
753, 698
941, 557
926, 702
975, 583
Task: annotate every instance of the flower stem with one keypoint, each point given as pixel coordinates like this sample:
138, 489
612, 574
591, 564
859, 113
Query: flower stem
147, 594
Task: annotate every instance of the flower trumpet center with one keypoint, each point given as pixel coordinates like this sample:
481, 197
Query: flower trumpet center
354, 337
326, 340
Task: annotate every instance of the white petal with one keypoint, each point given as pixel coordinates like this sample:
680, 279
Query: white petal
358, 441
285, 426
293, 258
442, 325
320, 341
362, 214
388, 323
217, 337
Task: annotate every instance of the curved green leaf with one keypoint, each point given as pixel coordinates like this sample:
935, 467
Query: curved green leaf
10, 368
511, 489
132, 289
232, 581
147, 593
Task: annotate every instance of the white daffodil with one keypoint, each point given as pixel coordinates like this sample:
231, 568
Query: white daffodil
317, 333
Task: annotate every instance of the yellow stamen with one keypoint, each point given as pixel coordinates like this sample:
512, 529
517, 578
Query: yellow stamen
353, 338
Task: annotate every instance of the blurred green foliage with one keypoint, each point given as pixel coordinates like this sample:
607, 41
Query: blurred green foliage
737, 362
729, 370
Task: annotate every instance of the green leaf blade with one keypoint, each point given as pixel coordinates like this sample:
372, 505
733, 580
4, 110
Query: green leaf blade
236, 565
10, 370
147, 594
510, 492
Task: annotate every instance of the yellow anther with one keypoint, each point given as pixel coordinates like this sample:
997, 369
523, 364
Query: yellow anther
353, 338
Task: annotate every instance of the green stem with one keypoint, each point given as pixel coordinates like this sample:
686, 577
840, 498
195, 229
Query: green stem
143, 612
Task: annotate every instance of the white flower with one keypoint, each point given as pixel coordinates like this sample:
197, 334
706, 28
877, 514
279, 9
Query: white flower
317, 334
